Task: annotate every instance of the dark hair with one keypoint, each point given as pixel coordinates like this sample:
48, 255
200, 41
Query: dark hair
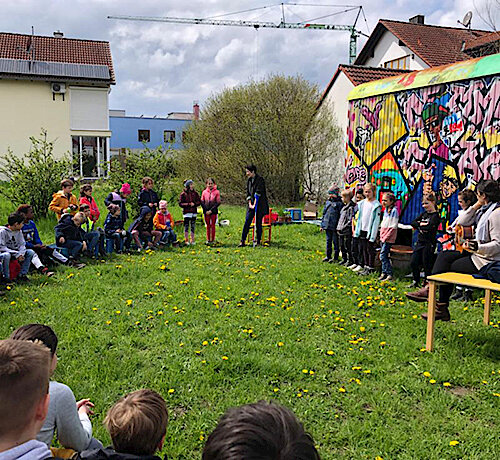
468, 196
263, 431
15, 218
39, 332
360, 191
491, 189
251, 168
85, 188
431, 196
23, 208
391, 196
83, 207
67, 183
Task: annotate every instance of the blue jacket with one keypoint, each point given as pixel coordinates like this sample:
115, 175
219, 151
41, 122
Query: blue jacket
68, 229
30, 233
374, 220
331, 214
112, 224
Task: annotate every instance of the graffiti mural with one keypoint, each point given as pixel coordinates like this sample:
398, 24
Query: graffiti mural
442, 137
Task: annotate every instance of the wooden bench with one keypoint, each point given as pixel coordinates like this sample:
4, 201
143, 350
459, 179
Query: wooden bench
463, 280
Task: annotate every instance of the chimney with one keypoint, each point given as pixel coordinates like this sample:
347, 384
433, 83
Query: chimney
196, 110
418, 19
58, 34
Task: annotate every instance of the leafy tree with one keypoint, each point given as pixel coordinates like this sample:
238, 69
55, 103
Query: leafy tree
36, 176
159, 164
267, 123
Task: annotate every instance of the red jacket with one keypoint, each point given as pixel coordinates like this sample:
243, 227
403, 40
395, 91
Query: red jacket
163, 221
210, 200
94, 210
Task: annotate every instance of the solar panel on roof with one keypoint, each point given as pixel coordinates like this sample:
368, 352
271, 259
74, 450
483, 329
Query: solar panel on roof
54, 69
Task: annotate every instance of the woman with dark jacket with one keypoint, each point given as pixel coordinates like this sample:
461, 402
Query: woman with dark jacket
258, 205
189, 202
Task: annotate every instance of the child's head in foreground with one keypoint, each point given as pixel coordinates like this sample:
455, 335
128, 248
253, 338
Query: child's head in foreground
259, 431
137, 423
346, 195
24, 387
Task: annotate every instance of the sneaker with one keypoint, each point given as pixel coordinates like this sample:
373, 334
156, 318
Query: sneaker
242, 244
414, 284
388, 278
45, 271
343, 262
382, 277
326, 259
75, 264
352, 266
458, 295
419, 296
358, 268
467, 295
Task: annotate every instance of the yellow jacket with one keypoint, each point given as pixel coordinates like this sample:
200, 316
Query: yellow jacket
60, 203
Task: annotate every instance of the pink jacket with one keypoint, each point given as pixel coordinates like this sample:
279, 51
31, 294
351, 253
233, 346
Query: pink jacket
210, 200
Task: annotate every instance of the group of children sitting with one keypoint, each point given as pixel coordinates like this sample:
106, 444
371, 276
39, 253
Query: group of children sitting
35, 409
77, 233
355, 224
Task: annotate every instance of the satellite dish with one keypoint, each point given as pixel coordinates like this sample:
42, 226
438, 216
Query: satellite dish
467, 19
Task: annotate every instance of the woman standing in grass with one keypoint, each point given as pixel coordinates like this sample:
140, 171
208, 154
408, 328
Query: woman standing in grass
210, 202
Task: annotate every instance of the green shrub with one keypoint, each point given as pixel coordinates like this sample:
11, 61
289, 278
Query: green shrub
159, 164
35, 177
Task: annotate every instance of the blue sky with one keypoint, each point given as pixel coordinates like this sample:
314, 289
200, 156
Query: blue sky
162, 67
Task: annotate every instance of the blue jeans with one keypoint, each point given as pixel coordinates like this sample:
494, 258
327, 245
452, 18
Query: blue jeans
384, 258
168, 236
92, 240
74, 247
332, 237
25, 264
117, 241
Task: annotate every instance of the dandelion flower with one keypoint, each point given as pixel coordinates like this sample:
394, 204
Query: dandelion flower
427, 374
170, 391
446, 384
225, 358
454, 443
342, 389
432, 381
329, 352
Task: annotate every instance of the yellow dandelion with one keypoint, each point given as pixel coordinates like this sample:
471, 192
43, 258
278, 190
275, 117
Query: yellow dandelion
225, 358
342, 390
427, 374
329, 352
454, 443
446, 384
170, 391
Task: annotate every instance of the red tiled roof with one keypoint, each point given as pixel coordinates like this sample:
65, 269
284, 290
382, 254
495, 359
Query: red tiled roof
54, 49
358, 74
435, 45
482, 40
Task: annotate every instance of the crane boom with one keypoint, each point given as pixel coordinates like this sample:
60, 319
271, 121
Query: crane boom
255, 24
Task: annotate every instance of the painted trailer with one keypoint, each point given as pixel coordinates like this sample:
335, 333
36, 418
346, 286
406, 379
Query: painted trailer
432, 130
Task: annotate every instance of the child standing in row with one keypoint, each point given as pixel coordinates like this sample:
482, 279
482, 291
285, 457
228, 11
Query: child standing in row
344, 227
388, 233
210, 202
356, 261
331, 215
367, 228
164, 223
147, 196
189, 202
427, 225
87, 199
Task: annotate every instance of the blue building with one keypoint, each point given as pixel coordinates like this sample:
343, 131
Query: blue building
135, 132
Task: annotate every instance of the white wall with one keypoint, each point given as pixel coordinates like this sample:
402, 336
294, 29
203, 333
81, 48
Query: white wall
388, 49
89, 108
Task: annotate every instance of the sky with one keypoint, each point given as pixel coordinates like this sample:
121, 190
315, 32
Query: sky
163, 67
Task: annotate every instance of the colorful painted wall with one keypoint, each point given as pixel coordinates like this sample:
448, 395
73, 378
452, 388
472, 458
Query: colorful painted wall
442, 137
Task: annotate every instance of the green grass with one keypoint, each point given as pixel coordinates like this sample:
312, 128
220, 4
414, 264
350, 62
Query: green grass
274, 312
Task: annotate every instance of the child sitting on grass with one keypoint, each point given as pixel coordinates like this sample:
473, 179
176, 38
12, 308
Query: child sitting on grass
63, 201
12, 245
24, 399
115, 233
86, 198
69, 235
137, 425
260, 431
331, 215
142, 230
90, 236
66, 417
388, 233
164, 223
119, 197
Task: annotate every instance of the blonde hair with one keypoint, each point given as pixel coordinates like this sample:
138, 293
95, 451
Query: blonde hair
24, 381
80, 216
137, 422
347, 193
372, 186
146, 180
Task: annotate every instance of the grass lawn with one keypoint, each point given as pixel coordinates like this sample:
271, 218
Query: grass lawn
227, 326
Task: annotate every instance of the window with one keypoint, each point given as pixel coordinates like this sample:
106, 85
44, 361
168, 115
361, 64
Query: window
90, 156
168, 136
184, 136
143, 135
400, 63
89, 109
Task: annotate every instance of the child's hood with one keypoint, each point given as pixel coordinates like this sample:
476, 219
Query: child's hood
144, 210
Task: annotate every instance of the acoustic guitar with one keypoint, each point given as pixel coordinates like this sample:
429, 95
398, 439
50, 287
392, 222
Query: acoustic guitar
462, 235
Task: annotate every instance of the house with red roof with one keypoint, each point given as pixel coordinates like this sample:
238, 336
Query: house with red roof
60, 85
395, 48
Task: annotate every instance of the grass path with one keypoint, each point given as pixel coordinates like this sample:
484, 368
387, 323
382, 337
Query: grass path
227, 326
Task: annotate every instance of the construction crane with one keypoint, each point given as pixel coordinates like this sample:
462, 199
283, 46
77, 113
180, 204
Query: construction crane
354, 33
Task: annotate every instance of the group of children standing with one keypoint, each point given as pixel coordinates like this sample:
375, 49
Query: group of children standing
353, 228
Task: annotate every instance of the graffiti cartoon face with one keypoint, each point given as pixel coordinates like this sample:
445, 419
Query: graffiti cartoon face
363, 136
447, 187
